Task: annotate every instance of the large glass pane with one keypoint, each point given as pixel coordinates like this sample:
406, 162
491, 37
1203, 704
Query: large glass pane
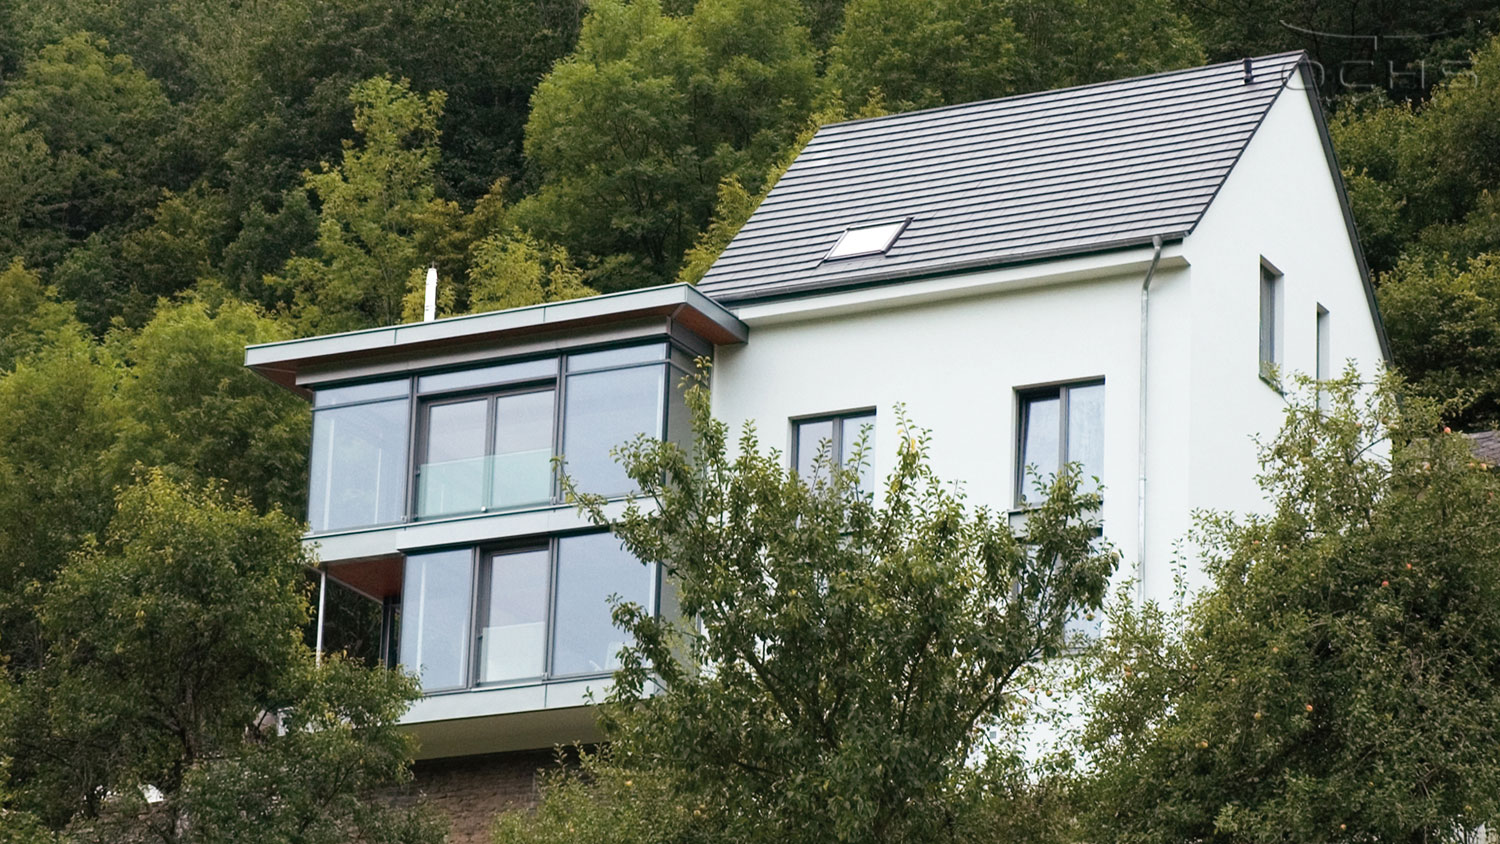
855, 427
513, 629
435, 599
1039, 443
330, 396
617, 357
522, 466
606, 410
1086, 432
451, 477
481, 376
812, 439
591, 568
358, 471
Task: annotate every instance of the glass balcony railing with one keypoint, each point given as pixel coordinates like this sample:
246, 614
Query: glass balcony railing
492, 482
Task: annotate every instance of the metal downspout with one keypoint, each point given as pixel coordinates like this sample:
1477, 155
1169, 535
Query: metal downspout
1140, 501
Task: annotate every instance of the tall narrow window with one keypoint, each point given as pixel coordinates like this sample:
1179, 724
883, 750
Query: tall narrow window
1324, 369
513, 616
592, 567
835, 436
358, 463
1270, 320
607, 408
435, 597
1060, 425
1325, 346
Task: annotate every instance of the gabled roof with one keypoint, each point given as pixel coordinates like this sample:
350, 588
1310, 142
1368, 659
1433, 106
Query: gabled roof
1059, 172
1486, 446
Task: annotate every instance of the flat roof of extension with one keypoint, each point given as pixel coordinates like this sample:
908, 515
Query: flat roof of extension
681, 303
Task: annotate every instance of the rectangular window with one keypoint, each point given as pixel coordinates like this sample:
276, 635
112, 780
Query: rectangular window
591, 568
1060, 425
358, 464
513, 617
834, 439
604, 410
486, 453
531, 615
1270, 320
436, 597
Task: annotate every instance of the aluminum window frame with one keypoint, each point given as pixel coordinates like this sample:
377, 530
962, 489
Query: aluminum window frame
1026, 395
674, 352
838, 419
1270, 321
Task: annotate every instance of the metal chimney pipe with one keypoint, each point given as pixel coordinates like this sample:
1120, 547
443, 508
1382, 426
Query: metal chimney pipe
429, 308
1249, 71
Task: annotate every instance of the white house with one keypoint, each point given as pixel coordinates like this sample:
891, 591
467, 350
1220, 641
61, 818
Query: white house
1099, 274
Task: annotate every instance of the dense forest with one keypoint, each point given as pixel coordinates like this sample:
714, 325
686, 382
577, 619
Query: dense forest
182, 178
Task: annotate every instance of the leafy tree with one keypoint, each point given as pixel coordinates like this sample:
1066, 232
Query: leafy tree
59, 412
1338, 681
1078, 42
178, 703
99, 117
632, 133
1444, 323
908, 54
847, 659
512, 270
31, 318
192, 406
376, 207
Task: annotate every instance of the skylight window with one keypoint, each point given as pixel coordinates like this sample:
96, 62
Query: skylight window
857, 241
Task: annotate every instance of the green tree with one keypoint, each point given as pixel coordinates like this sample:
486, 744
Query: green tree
847, 660
632, 133
31, 317
175, 665
907, 54
192, 406
1079, 42
378, 208
1338, 681
59, 412
99, 117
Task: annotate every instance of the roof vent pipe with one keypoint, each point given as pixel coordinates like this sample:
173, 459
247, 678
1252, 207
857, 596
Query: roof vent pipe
1249, 71
429, 306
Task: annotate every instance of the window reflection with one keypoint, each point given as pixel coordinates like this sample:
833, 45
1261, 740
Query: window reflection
358, 466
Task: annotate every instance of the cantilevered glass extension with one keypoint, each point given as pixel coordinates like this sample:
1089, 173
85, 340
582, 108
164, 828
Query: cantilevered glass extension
483, 440
434, 491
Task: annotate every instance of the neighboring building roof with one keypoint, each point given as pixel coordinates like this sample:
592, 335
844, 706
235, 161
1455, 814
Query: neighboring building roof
1486, 446
1059, 172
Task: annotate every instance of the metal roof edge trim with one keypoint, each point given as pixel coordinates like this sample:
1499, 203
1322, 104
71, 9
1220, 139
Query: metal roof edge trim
392, 338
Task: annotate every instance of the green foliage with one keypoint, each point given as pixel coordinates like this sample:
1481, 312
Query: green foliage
376, 208
908, 54
847, 661
193, 406
633, 132
175, 662
512, 270
1078, 42
97, 117
1444, 323
31, 318
1337, 682
1423, 184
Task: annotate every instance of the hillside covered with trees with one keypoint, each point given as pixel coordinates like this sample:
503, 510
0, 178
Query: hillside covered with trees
179, 179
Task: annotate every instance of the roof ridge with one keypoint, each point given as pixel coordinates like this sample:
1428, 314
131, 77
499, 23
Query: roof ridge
1053, 91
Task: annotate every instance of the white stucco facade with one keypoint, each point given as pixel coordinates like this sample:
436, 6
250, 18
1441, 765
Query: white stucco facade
955, 350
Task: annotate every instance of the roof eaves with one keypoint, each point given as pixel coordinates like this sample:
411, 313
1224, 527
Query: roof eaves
881, 277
